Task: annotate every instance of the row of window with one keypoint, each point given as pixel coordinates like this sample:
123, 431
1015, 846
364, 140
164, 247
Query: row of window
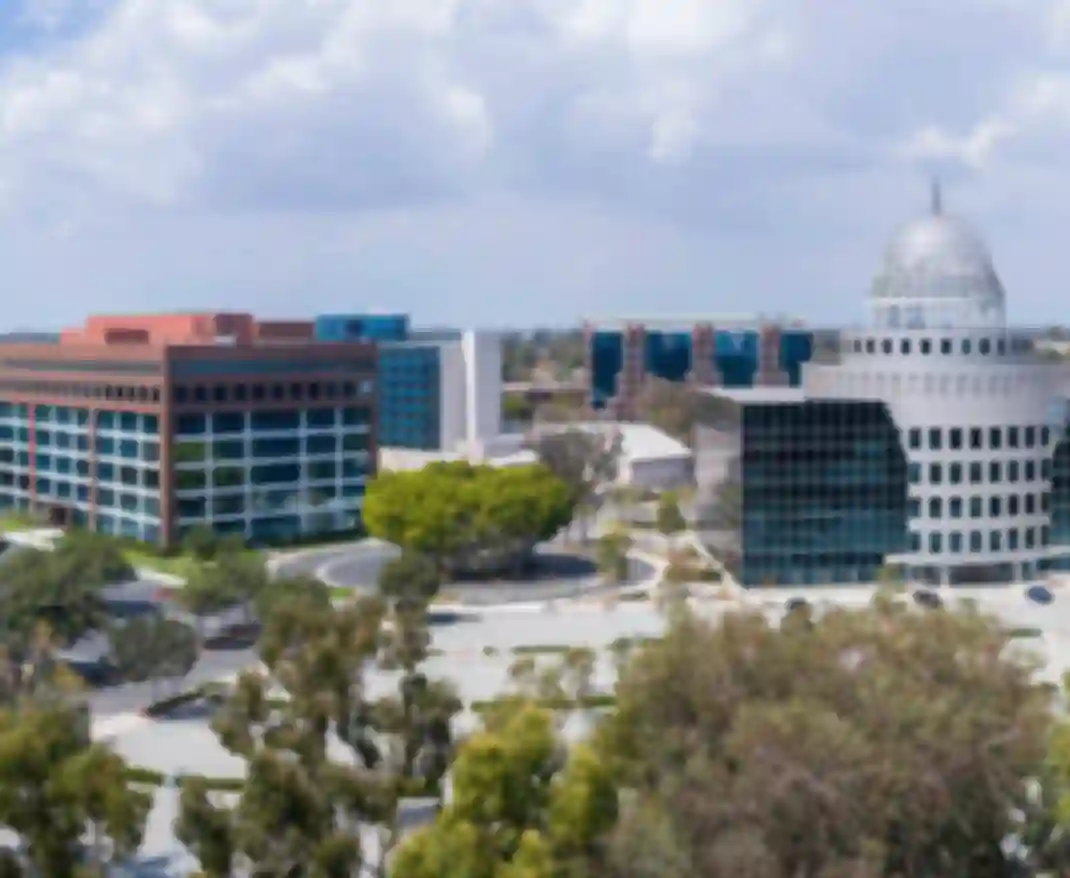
1010, 540
64, 390
974, 473
272, 503
946, 346
199, 454
292, 420
976, 507
977, 438
293, 391
268, 474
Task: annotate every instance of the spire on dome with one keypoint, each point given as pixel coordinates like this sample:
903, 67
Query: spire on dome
936, 198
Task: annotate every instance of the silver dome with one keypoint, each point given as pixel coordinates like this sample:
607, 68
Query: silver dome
938, 257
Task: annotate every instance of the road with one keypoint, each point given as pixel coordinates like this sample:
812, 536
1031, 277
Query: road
357, 566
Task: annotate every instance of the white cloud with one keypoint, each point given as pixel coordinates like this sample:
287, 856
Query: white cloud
771, 123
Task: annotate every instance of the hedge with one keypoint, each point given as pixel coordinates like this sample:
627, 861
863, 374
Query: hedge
1020, 633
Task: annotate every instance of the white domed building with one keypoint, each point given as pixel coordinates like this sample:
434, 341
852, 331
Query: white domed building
930, 445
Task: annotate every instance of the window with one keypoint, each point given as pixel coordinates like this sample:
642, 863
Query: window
976, 507
936, 474
1012, 539
1030, 437
1044, 536
935, 542
1012, 505
935, 438
954, 438
904, 346
219, 393
935, 507
954, 473
914, 437
914, 507
886, 346
995, 472
945, 346
994, 507
871, 347
995, 541
955, 507
1045, 469
1045, 503
926, 346
1030, 470
1012, 471
976, 438
985, 347
967, 347
976, 476
1030, 504
976, 542
915, 542
1001, 347
1030, 537
955, 541
995, 438
200, 394
1045, 436
1012, 437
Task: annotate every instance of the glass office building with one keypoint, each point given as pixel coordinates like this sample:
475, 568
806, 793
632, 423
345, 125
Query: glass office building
148, 426
727, 353
937, 445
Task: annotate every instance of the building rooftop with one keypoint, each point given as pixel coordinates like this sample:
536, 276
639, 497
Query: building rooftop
638, 441
686, 322
758, 395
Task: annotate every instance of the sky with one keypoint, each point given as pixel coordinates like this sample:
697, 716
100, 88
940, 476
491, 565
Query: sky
519, 162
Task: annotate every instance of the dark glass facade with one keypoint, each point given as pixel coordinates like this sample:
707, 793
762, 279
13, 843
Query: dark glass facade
824, 492
410, 396
361, 327
607, 360
670, 356
1059, 533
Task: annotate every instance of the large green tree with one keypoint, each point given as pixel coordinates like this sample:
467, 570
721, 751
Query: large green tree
520, 807
468, 517
151, 647
876, 742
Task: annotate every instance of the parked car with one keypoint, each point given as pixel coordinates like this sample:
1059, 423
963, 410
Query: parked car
923, 597
1039, 594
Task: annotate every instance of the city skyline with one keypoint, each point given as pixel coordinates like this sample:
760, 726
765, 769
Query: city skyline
518, 166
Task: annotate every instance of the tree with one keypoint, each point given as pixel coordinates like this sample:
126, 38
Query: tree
670, 519
63, 589
521, 806
409, 578
202, 543
68, 800
670, 406
301, 809
612, 554
585, 460
464, 517
288, 591
874, 742
721, 520
152, 647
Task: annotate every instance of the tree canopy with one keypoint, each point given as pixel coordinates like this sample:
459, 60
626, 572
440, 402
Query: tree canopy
873, 742
464, 516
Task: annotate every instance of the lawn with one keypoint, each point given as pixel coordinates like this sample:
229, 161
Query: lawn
175, 565
16, 521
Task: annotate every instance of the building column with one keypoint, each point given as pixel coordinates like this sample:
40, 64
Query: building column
769, 372
704, 371
633, 370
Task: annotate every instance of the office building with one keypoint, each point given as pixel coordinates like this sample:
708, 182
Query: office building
146, 426
439, 390
724, 351
938, 443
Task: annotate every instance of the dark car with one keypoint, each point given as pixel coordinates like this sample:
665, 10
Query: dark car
794, 604
1039, 594
928, 599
